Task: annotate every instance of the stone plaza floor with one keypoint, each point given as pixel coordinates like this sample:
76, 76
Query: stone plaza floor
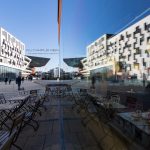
60, 129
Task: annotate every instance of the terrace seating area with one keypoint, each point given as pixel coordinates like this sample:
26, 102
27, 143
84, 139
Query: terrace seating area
61, 116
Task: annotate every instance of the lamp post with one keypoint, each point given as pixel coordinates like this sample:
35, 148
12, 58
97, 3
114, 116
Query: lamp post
148, 50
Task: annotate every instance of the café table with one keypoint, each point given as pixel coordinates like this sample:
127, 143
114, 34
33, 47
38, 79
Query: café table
136, 126
113, 105
141, 96
105, 102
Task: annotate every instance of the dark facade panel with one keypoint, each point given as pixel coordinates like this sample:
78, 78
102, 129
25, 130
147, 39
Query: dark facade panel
38, 61
73, 62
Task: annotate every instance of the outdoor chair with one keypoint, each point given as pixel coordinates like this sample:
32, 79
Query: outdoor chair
68, 91
102, 113
90, 110
33, 92
49, 90
2, 99
30, 116
115, 98
24, 92
32, 102
15, 125
80, 101
18, 122
43, 99
10, 114
7, 115
97, 122
131, 103
7, 141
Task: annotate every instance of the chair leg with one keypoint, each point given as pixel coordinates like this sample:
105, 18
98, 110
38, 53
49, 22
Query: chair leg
18, 147
35, 129
37, 125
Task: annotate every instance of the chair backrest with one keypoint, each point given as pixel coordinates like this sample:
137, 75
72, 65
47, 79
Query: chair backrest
21, 105
35, 109
8, 142
33, 92
131, 102
17, 122
2, 99
23, 92
69, 88
139, 106
115, 98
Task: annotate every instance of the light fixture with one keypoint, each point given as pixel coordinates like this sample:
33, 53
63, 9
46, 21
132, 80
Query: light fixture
148, 47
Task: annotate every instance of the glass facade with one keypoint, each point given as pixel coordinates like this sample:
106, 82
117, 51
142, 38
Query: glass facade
104, 72
8, 72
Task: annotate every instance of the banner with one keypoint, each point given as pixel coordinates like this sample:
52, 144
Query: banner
59, 18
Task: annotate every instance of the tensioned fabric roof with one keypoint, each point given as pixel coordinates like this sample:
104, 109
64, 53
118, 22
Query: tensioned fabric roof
73, 62
38, 61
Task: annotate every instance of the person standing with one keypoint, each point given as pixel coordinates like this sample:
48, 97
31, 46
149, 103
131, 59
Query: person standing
93, 82
144, 79
18, 82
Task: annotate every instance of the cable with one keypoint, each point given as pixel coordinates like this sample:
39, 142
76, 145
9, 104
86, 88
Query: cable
133, 20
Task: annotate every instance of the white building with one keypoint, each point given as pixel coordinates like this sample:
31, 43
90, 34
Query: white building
85, 71
12, 55
128, 51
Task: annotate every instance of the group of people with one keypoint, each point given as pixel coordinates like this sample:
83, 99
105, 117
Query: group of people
7, 80
19, 79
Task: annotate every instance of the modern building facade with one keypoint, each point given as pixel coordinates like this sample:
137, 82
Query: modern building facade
128, 52
12, 56
85, 71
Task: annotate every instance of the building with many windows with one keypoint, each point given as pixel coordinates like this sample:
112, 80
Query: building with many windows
12, 56
126, 53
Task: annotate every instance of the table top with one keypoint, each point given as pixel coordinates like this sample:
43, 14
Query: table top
17, 98
8, 106
137, 121
97, 96
113, 105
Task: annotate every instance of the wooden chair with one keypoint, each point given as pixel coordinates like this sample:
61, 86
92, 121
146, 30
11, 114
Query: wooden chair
17, 126
7, 143
2, 99
131, 103
68, 91
30, 115
115, 98
33, 92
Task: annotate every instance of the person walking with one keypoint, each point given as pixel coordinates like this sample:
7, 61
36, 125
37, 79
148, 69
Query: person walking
18, 81
6, 79
93, 82
9, 81
22, 79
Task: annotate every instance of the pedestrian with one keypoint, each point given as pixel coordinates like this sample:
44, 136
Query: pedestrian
93, 82
9, 81
144, 79
6, 79
18, 81
22, 79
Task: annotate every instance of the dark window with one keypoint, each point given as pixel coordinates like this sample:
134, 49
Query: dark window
144, 63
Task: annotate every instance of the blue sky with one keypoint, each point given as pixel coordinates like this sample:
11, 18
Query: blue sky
35, 22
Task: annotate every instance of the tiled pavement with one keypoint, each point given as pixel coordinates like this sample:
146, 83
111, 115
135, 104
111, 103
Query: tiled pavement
60, 129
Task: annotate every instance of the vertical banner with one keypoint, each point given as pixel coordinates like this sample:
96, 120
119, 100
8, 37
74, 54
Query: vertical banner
59, 18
